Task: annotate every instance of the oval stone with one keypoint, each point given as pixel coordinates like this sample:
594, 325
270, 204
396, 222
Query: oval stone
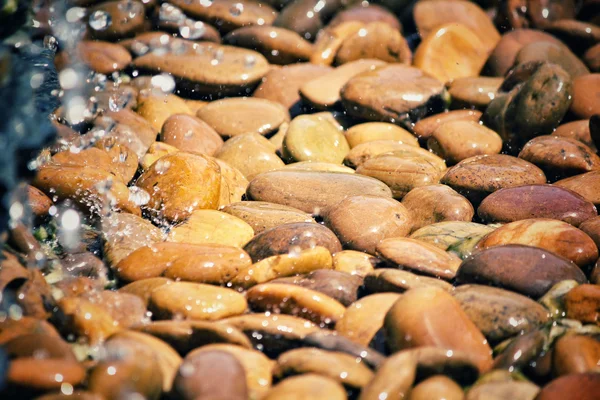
536, 201
251, 154
549, 234
362, 222
262, 215
478, 176
189, 133
585, 185
531, 271
419, 318
311, 191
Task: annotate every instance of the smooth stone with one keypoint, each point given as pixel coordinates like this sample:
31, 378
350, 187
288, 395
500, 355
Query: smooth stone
365, 151
592, 228
168, 359
330, 39
294, 300
211, 226
331, 341
372, 131
304, 189
438, 387
531, 271
186, 335
366, 14
262, 216
155, 109
475, 92
306, 387
586, 101
314, 138
87, 320
130, 130
344, 368
291, 237
449, 234
340, 286
403, 170
520, 351
109, 161
81, 185
126, 19
188, 133
556, 53
549, 234
451, 51
283, 85
578, 130
436, 203
227, 15
503, 56
205, 263
354, 262
137, 369
283, 265
391, 93
156, 151
376, 40
211, 374
318, 166
583, 303
425, 127
534, 107
362, 222
233, 184
560, 157
575, 354
324, 91
578, 35
455, 141
364, 318
103, 57
256, 365
580, 386
273, 333
126, 309
305, 18
477, 177
536, 201
39, 345
419, 318
431, 14
181, 182
195, 301
252, 115
517, 390
124, 233
38, 202
585, 185
40, 374
207, 68
499, 314
278, 45
393, 280
251, 154
418, 256
592, 58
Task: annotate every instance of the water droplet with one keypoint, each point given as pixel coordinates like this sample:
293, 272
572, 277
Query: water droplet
249, 61
68, 78
50, 43
116, 102
217, 57
139, 48
162, 166
236, 9
206, 3
192, 29
170, 13
164, 82
100, 20
138, 196
75, 14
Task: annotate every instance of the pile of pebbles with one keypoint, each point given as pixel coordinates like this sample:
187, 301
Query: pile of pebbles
312, 199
